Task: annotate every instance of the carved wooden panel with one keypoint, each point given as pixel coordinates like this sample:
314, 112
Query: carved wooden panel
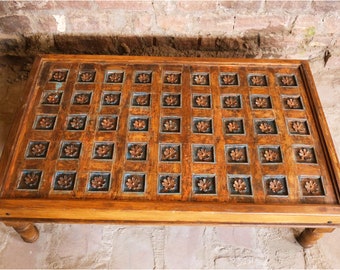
170, 130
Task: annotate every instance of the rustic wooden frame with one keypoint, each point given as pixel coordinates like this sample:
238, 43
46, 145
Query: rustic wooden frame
58, 209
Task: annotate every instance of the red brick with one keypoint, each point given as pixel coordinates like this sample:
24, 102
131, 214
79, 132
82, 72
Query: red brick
15, 24
292, 7
45, 24
125, 5
193, 6
80, 5
241, 6
174, 24
82, 24
3, 7
29, 5
246, 23
326, 6
143, 23
331, 24
214, 25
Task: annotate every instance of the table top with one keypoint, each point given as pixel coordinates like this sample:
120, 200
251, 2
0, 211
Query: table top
151, 139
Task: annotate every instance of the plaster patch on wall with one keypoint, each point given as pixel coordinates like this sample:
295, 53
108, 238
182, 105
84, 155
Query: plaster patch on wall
61, 23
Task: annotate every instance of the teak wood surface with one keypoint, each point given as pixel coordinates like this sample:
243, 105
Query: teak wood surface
170, 140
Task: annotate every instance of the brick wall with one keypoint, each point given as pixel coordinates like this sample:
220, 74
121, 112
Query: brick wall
288, 29
262, 29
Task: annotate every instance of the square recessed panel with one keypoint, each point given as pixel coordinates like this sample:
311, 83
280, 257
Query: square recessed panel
51, 97
99, 181
86, 76
260, 102
103, 150
233, 126
270, 154
275, 185
141, 99
136, 151
239, 184
311, 185
204, 184
111, 98
202, 125
138, 123
64, 180
231, 101
257, 80
169, 183
76, 122
45, 122
171, 77
200, 79
170, 152
30, 179
286, 80
59, 75
107, 122
304, 154
37, 149
265, 126
292, 102
70, 149
114, 76
170, 124
82, 98
143, 77
171, 100
236, 153
229, 79
202, 101
134, 182
298, 126
203, 153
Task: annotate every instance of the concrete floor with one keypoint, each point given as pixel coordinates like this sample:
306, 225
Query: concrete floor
165, 247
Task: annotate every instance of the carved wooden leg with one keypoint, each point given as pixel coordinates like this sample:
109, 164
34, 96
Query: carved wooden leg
309, 236
28, 232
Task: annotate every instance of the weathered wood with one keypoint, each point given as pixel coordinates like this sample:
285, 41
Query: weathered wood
28, 231
171, 140
310, 236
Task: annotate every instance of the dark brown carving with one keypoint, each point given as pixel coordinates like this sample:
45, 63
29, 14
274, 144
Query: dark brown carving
173, 78
203, 126
59, 76
143, 78
134, 183
111, 99
201, 79
169, 183
202, 101
239, 185
65, 181
115, 77
204, 154
87, 76
231, 102
98, 182
171, 100
204, 184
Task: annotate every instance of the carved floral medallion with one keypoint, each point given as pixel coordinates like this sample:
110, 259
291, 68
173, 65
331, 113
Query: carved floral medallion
59, 76
134, 183
115, 77
87, 76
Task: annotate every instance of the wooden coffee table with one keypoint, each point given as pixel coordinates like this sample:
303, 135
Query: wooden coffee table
170, 140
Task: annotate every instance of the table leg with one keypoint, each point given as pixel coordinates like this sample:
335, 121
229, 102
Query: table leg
28, 231
309, 236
